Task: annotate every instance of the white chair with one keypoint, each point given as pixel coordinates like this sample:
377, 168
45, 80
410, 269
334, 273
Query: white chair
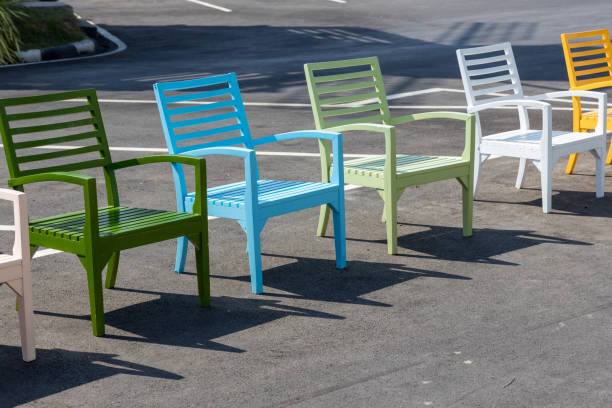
15, 271
490, 79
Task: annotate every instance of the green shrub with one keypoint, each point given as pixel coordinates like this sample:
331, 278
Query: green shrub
9, 34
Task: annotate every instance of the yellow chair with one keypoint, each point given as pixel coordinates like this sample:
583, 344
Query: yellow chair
588, 58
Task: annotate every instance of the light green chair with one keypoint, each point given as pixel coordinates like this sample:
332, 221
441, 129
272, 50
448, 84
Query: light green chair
349, 95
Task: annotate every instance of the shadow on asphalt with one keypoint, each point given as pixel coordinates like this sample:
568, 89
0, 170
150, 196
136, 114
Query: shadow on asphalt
447, 243
177, 320
564, 202
57, 370
318, 279
270, 58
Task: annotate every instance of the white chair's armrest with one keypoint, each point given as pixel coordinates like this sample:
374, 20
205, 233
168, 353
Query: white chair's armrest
21, 247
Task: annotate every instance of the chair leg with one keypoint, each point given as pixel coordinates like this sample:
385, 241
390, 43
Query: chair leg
571, 163
202, 268
340, 236
111, 271
600, 173
477, 165
94, 284
254, 250
468, 208
181, 254
26, 321
546, 180
521, 173
323, 220
391, 220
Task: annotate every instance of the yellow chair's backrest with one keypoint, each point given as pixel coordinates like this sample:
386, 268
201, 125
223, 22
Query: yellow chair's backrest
588, 58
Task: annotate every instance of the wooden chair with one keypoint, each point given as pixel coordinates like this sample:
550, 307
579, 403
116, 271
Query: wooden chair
95, 235
349, 95
492, 70
15, 271
588, 59
214, 121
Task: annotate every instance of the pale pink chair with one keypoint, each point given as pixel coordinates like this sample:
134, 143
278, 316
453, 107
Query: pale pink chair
15, 271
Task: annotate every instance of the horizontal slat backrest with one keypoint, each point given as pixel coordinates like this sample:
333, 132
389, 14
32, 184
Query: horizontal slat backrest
489, 74
588, 58
203, 112
47, 122
347, 91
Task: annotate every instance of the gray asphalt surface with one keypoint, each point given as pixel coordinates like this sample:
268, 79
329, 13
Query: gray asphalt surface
519, 315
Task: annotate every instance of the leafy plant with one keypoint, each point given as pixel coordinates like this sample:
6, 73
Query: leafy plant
9, 35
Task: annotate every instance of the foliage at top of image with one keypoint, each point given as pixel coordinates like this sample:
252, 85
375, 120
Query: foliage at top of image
24, 28
9, 33
46, 27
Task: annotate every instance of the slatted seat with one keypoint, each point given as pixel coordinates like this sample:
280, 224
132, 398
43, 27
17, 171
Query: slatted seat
375, 166
95, 235
215, 121
490, 79
112, 221
269, 192
349, 95
588, 59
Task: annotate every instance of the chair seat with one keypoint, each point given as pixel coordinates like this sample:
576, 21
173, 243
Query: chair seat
593, 114
405, 164
269, 192
519, 143
112, 221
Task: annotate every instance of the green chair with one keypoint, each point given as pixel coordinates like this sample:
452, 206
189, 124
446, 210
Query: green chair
95, 235
349, 95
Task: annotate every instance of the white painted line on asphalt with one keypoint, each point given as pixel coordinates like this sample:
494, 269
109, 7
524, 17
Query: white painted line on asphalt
165, 151
307, 105
202, 3
339, 1
46, 252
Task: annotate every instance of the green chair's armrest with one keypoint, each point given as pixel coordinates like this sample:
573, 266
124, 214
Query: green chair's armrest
430, 115
90, 195
60, 176
199, 206
159, 158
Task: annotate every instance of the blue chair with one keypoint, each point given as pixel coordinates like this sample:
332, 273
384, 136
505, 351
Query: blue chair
206, 116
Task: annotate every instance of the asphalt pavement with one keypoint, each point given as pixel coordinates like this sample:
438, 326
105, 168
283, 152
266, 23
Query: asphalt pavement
519, 315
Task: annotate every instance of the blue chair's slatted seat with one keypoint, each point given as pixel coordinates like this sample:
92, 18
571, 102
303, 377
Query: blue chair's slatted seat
206, 117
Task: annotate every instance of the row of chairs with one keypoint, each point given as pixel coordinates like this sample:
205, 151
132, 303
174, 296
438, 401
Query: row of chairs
206, 116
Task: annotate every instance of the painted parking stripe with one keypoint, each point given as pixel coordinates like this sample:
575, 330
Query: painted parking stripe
203, 3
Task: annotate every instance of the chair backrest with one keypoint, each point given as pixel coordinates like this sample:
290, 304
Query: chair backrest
489, 74
347, 91
30, 123
588, 59
204, 112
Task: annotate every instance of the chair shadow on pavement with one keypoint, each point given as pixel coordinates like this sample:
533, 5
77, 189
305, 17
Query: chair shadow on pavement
177, 320
319, 280
568, 202
446, 243
57, 370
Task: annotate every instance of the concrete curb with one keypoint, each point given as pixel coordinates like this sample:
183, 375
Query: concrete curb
71, 51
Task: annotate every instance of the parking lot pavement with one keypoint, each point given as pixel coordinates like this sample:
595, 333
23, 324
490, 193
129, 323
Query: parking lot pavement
517, 315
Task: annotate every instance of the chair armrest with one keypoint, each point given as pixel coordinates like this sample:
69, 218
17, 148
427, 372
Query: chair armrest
470, 126
21, 246
200, 205
337, 176
430, 115
90, 195
602, 102
390, 142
